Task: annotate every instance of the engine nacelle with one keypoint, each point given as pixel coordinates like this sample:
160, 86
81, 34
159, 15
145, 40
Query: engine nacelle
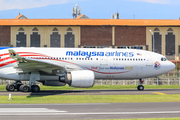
80, 78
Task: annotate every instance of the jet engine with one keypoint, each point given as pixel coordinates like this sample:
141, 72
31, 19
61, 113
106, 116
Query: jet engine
80, 78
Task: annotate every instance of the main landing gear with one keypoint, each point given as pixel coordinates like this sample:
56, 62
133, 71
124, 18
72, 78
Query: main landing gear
140, 86
21, 87
26, 88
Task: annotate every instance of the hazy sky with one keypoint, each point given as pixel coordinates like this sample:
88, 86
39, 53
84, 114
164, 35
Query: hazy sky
102, 9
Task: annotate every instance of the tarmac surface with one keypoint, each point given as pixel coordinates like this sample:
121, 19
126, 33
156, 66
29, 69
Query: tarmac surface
88, 111
96, 92
91, 111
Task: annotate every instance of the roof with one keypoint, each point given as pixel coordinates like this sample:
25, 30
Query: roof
175, 61
21, 17
82, 17
96, 22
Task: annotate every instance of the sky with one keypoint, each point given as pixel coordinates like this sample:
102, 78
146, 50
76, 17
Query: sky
94, 9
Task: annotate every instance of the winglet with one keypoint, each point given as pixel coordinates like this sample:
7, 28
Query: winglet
13, 54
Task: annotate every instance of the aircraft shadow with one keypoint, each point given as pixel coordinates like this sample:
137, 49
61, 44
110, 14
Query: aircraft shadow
94, 92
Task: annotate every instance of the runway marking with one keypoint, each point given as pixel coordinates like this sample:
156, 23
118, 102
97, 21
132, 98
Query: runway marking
28, 110
159, 93
93, 113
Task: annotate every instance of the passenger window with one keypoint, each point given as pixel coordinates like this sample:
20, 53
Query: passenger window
96, 58
71, 58
116, 58
128, 59
82, 58
91, 58
76, 58
119, 58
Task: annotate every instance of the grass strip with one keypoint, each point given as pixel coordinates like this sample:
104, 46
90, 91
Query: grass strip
103, 87
89, 99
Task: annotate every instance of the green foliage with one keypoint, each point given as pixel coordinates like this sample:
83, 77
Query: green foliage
89, 99
103, 87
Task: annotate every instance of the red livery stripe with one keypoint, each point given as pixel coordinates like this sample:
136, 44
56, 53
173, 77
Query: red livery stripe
7, 63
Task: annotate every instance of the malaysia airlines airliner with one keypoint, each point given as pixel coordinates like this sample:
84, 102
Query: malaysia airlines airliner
77, 67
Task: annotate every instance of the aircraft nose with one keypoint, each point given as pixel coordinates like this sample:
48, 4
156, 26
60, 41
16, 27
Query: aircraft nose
172, 66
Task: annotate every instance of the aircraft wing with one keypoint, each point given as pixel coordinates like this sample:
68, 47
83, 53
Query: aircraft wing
48, 66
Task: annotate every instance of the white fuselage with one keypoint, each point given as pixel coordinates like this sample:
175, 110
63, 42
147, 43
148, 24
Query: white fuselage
105, 63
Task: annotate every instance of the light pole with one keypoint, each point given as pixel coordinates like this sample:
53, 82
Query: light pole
153, 40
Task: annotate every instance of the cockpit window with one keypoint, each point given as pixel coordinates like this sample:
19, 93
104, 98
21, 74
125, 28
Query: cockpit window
164, 59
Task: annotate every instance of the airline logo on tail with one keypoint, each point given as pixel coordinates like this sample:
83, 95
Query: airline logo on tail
13, 54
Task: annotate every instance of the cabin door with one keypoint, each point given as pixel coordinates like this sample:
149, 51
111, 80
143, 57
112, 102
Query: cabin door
149, 61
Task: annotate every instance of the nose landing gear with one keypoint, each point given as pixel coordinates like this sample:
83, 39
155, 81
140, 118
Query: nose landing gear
140, 86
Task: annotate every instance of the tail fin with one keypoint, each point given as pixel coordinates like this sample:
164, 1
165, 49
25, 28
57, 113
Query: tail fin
14, 55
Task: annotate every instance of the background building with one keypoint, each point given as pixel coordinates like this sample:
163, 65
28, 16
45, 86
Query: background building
93, 33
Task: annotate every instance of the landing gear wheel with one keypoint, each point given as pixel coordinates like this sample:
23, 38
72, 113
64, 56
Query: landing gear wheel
24, 88
10, 87
7, 87
18, 86
140, 87
35, 88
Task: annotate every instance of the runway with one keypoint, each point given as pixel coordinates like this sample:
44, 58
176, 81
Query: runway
89, 111
97, 92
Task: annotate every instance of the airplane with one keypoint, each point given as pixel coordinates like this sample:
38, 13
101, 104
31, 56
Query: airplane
77, 67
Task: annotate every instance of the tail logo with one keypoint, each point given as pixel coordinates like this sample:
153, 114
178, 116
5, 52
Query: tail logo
13, 54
